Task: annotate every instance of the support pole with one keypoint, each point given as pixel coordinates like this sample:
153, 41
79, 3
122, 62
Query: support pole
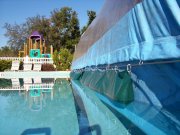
51, 51
27, 49
35, 45
24, 50
31, 43
41, 45
44, 47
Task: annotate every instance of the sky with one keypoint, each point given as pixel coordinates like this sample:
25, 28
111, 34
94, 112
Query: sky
16, 11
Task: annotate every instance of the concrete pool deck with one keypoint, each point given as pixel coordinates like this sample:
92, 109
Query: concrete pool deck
33, 74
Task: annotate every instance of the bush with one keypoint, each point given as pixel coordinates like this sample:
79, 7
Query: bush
5, 64
63, 59
21, 66
47, 67
5, 83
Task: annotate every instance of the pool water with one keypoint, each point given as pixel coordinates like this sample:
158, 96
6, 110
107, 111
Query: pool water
60, 107
47, 112
136, 118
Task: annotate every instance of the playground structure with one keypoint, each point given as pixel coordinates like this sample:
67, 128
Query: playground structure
36, 47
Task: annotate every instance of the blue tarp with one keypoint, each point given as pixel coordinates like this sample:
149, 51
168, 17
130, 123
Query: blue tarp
148, 30
129, 32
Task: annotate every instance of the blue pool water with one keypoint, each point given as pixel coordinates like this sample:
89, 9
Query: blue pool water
135, 118
46, 112
52, 107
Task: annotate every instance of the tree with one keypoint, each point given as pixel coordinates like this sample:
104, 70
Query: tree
40, 24
61, 30
18, 33
91, 16
65, 30
6, 51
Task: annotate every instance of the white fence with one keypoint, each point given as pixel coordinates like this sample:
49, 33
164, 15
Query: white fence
43, 86
29, 60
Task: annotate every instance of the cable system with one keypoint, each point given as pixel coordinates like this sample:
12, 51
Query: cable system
122, 67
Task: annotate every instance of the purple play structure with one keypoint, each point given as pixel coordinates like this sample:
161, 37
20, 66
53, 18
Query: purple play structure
36, 35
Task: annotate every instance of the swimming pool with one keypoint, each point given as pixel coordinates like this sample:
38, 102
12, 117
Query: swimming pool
51, 107
136, 118
49, 110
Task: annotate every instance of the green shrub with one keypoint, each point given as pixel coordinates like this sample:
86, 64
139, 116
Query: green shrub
63, 59
5, 83
5, 64
21, 67
47, 67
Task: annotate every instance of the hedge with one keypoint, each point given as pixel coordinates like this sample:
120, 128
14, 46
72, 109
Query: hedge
5, 65
48, 67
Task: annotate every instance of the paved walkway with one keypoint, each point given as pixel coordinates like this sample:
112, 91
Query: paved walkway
32, 74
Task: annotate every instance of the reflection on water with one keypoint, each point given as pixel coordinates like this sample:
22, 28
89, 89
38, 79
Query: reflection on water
37, 105
100, 118
26, 83
48, 106
136, 118
34, 90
